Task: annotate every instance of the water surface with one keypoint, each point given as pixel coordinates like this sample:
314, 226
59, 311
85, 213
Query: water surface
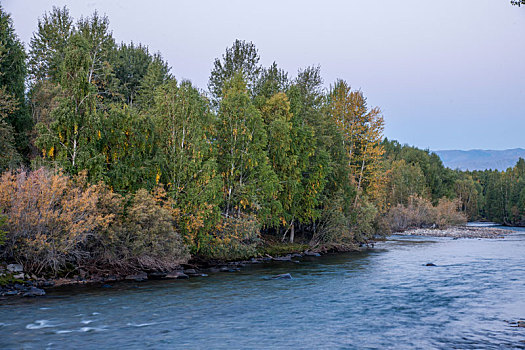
385, 298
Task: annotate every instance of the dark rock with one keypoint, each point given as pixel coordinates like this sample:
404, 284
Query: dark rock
45, 283
34, 292
521, 324
214, 269
283, 258
139, 277
430, 264
190, 272
297, 255
309, 253
15, 268
178, 275
19, 286
283, 276
156, 275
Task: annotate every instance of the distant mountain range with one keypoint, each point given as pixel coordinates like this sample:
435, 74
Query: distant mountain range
478, 159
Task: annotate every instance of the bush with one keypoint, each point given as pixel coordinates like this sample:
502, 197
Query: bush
50, 218
142, 235
334, 229
3, 225
236, 238
448, 213
419, 213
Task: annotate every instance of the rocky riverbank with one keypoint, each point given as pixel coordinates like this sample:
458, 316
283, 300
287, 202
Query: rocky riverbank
458, 232
18, 283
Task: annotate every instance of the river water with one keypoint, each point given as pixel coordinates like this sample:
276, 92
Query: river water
385, 298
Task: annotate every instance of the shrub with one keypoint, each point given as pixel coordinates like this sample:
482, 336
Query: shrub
142, 235
448, 213
235, 238
419, 213
3, 225
334, 227
50, 218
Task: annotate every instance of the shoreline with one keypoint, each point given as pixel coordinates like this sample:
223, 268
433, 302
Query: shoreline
458, 232
34, 287
31, 287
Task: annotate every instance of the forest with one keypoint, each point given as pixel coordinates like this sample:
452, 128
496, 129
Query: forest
110, 163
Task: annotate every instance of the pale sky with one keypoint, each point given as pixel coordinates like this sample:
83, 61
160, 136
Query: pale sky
447, 74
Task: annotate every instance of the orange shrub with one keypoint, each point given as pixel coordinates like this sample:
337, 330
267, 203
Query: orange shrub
419, 212
50, 218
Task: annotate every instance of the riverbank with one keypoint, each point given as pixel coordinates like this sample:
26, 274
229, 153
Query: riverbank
15, 282
458, 232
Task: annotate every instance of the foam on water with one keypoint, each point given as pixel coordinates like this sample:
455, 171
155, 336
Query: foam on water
141, 324
40, 324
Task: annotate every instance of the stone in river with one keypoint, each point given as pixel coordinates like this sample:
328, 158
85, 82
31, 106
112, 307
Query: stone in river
139, 277
309, 253
283, 276
430, 264
34, 292
283, 258
156, 275
176, 275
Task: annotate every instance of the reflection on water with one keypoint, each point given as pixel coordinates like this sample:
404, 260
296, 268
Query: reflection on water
382, 298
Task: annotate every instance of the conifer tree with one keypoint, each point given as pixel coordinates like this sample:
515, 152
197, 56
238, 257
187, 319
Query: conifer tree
12, 83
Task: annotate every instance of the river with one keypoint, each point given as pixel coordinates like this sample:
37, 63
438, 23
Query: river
383, 298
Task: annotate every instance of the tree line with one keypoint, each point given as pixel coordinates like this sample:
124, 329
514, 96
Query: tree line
150, 169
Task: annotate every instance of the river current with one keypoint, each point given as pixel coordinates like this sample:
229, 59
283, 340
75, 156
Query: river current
383, 298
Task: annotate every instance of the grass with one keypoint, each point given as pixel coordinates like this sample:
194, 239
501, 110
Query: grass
272, 246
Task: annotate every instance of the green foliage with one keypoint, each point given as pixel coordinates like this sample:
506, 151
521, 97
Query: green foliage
503, 194
237, 238
130, 66
249, 183
12, 84
47, 48
156, 75
7, 279
142, 235
67, 140
275, 248
184, 130
241, 57
404, 181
